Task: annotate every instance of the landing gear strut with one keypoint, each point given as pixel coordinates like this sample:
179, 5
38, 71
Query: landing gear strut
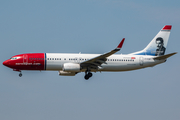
20, 74
88, 74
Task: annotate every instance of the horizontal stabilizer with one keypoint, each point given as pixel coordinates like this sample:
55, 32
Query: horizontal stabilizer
164, 56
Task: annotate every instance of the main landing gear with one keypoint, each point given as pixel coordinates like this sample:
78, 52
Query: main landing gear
88, 74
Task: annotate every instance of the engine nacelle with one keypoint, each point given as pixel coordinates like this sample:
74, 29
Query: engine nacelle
63, 73
71, 67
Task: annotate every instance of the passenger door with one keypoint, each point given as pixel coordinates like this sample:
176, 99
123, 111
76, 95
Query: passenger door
25, 58
141, 61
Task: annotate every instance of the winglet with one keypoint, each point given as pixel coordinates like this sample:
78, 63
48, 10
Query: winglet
167, 27
120, 44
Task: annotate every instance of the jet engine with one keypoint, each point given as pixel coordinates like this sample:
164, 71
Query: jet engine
71, 67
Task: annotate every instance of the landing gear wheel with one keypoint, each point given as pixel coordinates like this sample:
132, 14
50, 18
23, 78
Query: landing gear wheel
20, 74
90, 74
86, 77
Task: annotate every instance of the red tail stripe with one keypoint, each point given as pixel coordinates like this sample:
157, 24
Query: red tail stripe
167, 27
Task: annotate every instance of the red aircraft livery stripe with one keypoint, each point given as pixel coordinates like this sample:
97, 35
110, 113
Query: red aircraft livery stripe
30, 61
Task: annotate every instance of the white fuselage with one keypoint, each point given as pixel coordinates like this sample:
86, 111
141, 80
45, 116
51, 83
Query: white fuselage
117, 62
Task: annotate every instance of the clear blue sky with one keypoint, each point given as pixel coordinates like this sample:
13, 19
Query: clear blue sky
88, 26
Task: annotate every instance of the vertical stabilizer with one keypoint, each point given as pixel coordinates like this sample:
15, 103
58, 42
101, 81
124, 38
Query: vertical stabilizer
157, 46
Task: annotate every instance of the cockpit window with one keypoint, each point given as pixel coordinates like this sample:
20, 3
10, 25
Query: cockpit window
14, 58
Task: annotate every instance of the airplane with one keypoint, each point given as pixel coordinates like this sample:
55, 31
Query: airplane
71, 64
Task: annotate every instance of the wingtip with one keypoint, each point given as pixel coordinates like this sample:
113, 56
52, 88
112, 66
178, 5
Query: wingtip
167, 27
121, 43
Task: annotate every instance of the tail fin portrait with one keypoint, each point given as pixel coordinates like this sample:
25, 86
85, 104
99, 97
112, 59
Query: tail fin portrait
157, 46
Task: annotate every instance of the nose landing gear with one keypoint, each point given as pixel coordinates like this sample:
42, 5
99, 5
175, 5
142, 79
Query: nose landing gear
20, 74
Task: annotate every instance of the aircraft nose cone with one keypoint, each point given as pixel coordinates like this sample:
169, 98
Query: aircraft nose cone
8, 63
5, 63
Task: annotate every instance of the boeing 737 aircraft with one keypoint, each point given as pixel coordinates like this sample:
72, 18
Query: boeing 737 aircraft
71, 64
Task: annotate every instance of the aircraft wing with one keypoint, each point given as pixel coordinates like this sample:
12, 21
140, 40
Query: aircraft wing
97, 61
164, 56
